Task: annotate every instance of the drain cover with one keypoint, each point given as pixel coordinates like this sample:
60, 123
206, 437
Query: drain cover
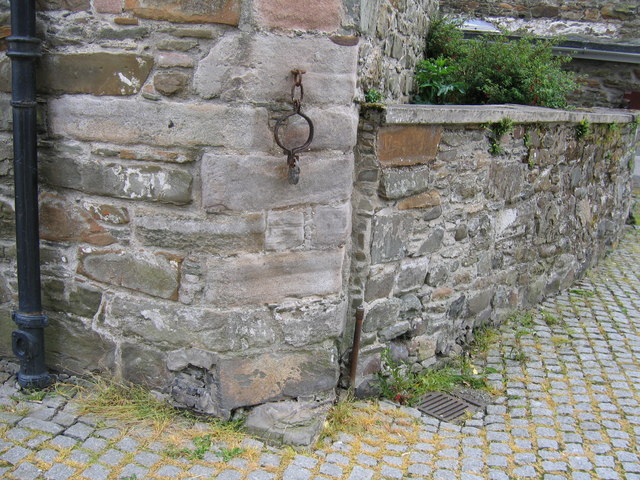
443, 406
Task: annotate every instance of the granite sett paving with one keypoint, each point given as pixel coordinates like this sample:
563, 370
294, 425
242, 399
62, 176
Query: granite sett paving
567, 406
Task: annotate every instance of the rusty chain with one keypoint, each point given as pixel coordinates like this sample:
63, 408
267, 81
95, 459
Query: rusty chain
297, 95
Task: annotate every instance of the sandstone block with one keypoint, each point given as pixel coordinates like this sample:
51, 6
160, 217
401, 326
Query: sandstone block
249, 183
237, 68
108, 6
170, 83
152, 183
423, 200
312, 323
62, 221
218, 234
174, 59
143, 272
288, 422
108, 213
285, 230
177, 11
72, 298
169, 323
400, 146
5, 73
96, 73
275, 376
331, 226
398, 183
127, 121
73, 346
272, 278
324, 15
7, 221
72, 5
143, 364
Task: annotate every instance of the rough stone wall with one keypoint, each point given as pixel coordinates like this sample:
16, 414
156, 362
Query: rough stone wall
393, 34
603, 84
617, 19
174, 251
448, 237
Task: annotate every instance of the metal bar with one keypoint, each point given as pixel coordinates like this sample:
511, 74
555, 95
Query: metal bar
355, 349
28, 340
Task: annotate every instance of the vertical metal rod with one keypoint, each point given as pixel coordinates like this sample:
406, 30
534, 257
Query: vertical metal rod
28, 340
355, 349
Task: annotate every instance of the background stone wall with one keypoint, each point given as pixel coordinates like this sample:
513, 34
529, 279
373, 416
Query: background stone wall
174, 251
448, 237
393, 36
610, 22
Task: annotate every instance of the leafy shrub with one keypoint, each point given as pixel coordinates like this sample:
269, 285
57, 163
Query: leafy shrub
491, 69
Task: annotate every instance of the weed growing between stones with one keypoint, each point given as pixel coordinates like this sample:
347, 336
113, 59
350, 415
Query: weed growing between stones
399, 383
583, 129
498, 130
373, 96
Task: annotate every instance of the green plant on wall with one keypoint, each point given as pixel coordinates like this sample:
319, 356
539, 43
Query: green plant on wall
491, 69
498, 130
373, 96
583, 129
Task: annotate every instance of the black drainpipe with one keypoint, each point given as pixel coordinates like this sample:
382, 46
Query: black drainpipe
28, 340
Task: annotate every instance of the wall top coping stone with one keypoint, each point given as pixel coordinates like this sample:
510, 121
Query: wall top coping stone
473, 114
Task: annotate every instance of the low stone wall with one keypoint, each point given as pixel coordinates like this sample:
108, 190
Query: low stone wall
448, 237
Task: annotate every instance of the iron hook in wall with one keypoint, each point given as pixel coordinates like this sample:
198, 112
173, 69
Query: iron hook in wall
292, 153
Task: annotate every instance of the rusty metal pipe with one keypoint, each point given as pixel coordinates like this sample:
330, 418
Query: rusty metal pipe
355, 349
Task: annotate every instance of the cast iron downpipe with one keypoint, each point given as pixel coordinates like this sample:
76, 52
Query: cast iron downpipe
28, 340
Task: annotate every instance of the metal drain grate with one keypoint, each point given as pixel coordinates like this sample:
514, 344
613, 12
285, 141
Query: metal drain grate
443, 406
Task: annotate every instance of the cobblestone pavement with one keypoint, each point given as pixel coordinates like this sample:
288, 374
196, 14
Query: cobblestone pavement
568, 407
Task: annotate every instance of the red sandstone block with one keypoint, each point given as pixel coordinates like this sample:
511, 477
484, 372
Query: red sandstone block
108, 6
408, 145
324, 15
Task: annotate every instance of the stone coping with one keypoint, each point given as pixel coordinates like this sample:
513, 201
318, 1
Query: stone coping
473, 114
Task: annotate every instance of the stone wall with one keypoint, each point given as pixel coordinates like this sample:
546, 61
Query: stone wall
610, 19
609, 23
174, 251
448, 237
393, 42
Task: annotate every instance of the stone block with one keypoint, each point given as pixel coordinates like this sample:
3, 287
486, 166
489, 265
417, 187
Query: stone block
152, 183
7, 221
324, 15
6, 115
285, 230
289, 422
131, 121
176, 325
5, 73
178, 11
154, 275
400, 146
394, 331
241, 66
144, 365
381, 280
412, 274
275, 376
312, 323
390, 237
72, 298
274, 277
108, 213
72, 346
7, 325
217, 234
170, 83
331, 226
173, 59
108, 6
397, 183
63, 221
424, 200
424, 347
95, 73
383, 314
71, 5
480, 301
250, 183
